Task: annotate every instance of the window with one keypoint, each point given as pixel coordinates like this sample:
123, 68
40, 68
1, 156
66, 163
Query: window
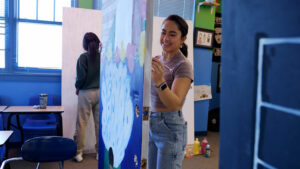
2, 33
2, 43
39, 45
34, 34
39, 33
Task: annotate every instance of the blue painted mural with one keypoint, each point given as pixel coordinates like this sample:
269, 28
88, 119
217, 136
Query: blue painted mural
121, 83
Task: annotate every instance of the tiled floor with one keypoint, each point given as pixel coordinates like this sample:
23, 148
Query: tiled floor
90, 162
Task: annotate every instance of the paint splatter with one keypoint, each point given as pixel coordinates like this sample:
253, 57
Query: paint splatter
142, 48
122, 52
109, 52
117, 55
130, 55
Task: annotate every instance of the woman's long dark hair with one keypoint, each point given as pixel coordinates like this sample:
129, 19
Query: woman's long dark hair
89, 37
183, 27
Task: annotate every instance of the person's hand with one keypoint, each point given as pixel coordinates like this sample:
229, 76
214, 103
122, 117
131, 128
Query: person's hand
158, 70
77, 92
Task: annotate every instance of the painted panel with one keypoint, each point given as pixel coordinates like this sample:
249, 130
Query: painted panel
76, 22
121, 83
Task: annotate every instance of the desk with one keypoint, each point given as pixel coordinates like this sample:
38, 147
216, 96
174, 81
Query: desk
2, 108
21, 110
4, 135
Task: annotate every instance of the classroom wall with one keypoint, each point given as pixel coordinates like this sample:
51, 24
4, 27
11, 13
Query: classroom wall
204, 18
76, 23
214, 103
16, 90
87, 4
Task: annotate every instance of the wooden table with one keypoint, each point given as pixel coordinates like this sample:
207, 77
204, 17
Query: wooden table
2, 108
4, 135
22, 110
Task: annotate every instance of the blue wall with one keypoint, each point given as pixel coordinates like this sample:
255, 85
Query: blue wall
243, 23
16, 89
202, 76
215, 101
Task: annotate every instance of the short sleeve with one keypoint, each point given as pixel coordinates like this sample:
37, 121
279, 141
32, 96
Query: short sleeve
185, 69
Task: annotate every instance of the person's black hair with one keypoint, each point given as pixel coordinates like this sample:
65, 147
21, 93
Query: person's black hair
89, 37
183, 27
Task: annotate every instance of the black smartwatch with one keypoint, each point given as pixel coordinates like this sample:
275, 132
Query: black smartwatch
162, 86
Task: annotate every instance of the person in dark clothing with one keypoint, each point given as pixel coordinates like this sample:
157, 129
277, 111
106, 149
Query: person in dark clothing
87, 89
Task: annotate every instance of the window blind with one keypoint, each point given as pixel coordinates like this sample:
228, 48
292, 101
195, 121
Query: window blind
183, 8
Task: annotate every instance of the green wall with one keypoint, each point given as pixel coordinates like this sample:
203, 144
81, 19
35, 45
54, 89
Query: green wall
88, 4
205, 16
219, 8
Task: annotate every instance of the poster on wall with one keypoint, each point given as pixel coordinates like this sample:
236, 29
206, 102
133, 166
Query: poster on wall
202, 92
121, 88
217, 38
203, 38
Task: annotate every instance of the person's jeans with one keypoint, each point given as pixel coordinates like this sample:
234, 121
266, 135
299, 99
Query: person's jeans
167, 140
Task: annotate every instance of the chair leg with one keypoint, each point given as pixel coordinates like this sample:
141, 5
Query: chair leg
9, 160
61, 165
38, 165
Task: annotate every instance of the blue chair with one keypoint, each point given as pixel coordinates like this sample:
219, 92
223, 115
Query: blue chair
39, 125
46, 149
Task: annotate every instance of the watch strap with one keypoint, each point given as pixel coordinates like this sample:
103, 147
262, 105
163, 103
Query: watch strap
162, 86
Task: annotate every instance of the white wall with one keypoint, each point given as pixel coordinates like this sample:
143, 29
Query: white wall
188, 108
76, 22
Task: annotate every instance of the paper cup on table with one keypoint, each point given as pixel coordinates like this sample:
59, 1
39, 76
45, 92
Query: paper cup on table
43, 101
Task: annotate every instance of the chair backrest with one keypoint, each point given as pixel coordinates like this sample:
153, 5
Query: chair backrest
48, 149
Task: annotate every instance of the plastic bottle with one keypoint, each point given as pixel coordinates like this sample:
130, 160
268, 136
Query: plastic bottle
189, 153
196, 147
207, 151
203, 145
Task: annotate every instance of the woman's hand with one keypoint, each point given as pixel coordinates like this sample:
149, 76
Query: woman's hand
158, 70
